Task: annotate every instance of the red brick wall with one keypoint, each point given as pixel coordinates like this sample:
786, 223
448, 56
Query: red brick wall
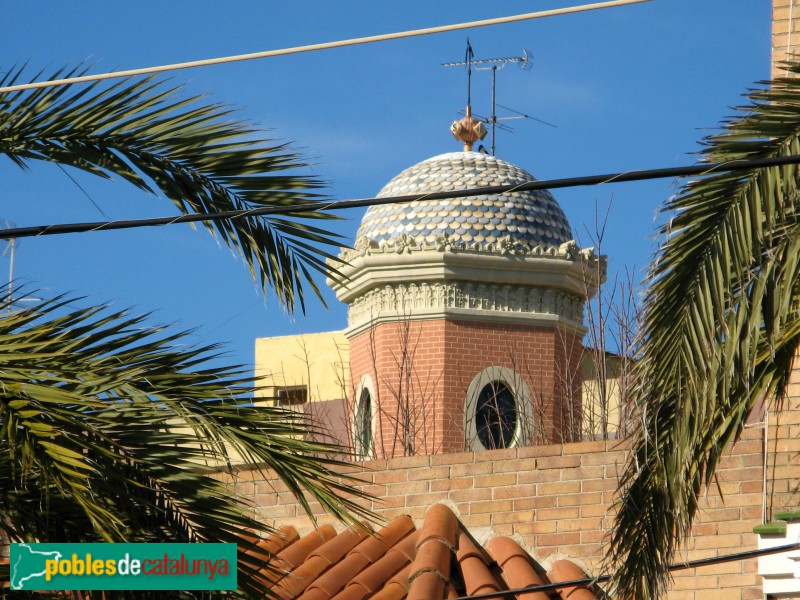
421, 370
404, 362
547, 359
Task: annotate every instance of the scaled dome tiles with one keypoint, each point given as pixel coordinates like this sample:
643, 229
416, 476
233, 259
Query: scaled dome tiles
531, 218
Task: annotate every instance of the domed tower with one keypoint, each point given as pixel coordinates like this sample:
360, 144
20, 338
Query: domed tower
465, 315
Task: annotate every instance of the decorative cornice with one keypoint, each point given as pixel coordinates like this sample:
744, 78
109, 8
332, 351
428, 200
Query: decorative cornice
371, 266
506, 246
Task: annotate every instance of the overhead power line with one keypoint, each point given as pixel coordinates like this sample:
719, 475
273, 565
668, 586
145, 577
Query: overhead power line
294, 210
323, 46
590, 581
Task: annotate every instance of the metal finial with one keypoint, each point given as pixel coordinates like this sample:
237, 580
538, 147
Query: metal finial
465, 130
468, 130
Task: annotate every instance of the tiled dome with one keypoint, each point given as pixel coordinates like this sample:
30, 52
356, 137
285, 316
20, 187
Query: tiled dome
531, 218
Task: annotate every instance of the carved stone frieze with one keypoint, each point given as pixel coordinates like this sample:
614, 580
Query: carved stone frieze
506, 246
404, 299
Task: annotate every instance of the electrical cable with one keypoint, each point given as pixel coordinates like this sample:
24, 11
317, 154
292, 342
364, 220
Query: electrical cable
296, 210
693, 564
323, 46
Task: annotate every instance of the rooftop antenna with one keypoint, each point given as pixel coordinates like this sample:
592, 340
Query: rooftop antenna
494, 64
469, 129
8, 250
10, 246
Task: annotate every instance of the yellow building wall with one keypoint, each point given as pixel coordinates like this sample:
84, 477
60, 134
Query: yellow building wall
318, 361
603, 417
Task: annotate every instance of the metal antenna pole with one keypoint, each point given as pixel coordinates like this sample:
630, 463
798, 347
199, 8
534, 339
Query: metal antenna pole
12, 243
494, 103
469, 74
10, 247
495, 64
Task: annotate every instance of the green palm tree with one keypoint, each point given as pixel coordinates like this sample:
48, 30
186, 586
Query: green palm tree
720, 329
110, 429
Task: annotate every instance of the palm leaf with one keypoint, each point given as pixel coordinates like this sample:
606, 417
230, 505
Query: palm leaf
108, 430
196, 155
721, 325
111, 431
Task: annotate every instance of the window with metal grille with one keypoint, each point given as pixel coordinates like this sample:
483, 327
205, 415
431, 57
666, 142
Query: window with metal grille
288, 397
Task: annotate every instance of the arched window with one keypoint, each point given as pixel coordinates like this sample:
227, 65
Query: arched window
364, 421
496, 416
498, 411
363, 431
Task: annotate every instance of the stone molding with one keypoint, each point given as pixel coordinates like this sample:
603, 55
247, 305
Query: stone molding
371, 266
407, 300
506, 246
503, 282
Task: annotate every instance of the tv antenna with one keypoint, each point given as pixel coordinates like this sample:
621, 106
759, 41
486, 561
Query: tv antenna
525, 62
10, 245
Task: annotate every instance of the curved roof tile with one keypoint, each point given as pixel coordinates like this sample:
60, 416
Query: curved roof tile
440, 560
474, 568
516, 566
565, 570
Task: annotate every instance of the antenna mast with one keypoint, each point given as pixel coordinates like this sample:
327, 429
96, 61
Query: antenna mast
495, 64
469, 129
10, 246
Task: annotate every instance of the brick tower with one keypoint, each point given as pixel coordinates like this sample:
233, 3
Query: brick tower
465, 316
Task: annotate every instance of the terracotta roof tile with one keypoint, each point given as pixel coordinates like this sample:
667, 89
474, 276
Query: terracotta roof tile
333, 550
367, 552
440, 524
271, 545
317, 562
516, 567
439, 561
474, 568
5, 566
375, 547
294, 555
335, 578
393, 591
433, 557
315, 594
279, 540
352, 592
436, 542
565, 570
397, 558
426, 586
265, 556
396, 588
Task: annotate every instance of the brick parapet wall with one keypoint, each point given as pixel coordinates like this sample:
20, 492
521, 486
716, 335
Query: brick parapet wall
783, 457
555, 500
785, 31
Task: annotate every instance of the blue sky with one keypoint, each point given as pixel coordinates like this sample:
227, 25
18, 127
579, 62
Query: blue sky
633, 87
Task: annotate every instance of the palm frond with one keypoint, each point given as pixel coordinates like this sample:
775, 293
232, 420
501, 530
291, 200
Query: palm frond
197, 155
113, 431
721, 325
